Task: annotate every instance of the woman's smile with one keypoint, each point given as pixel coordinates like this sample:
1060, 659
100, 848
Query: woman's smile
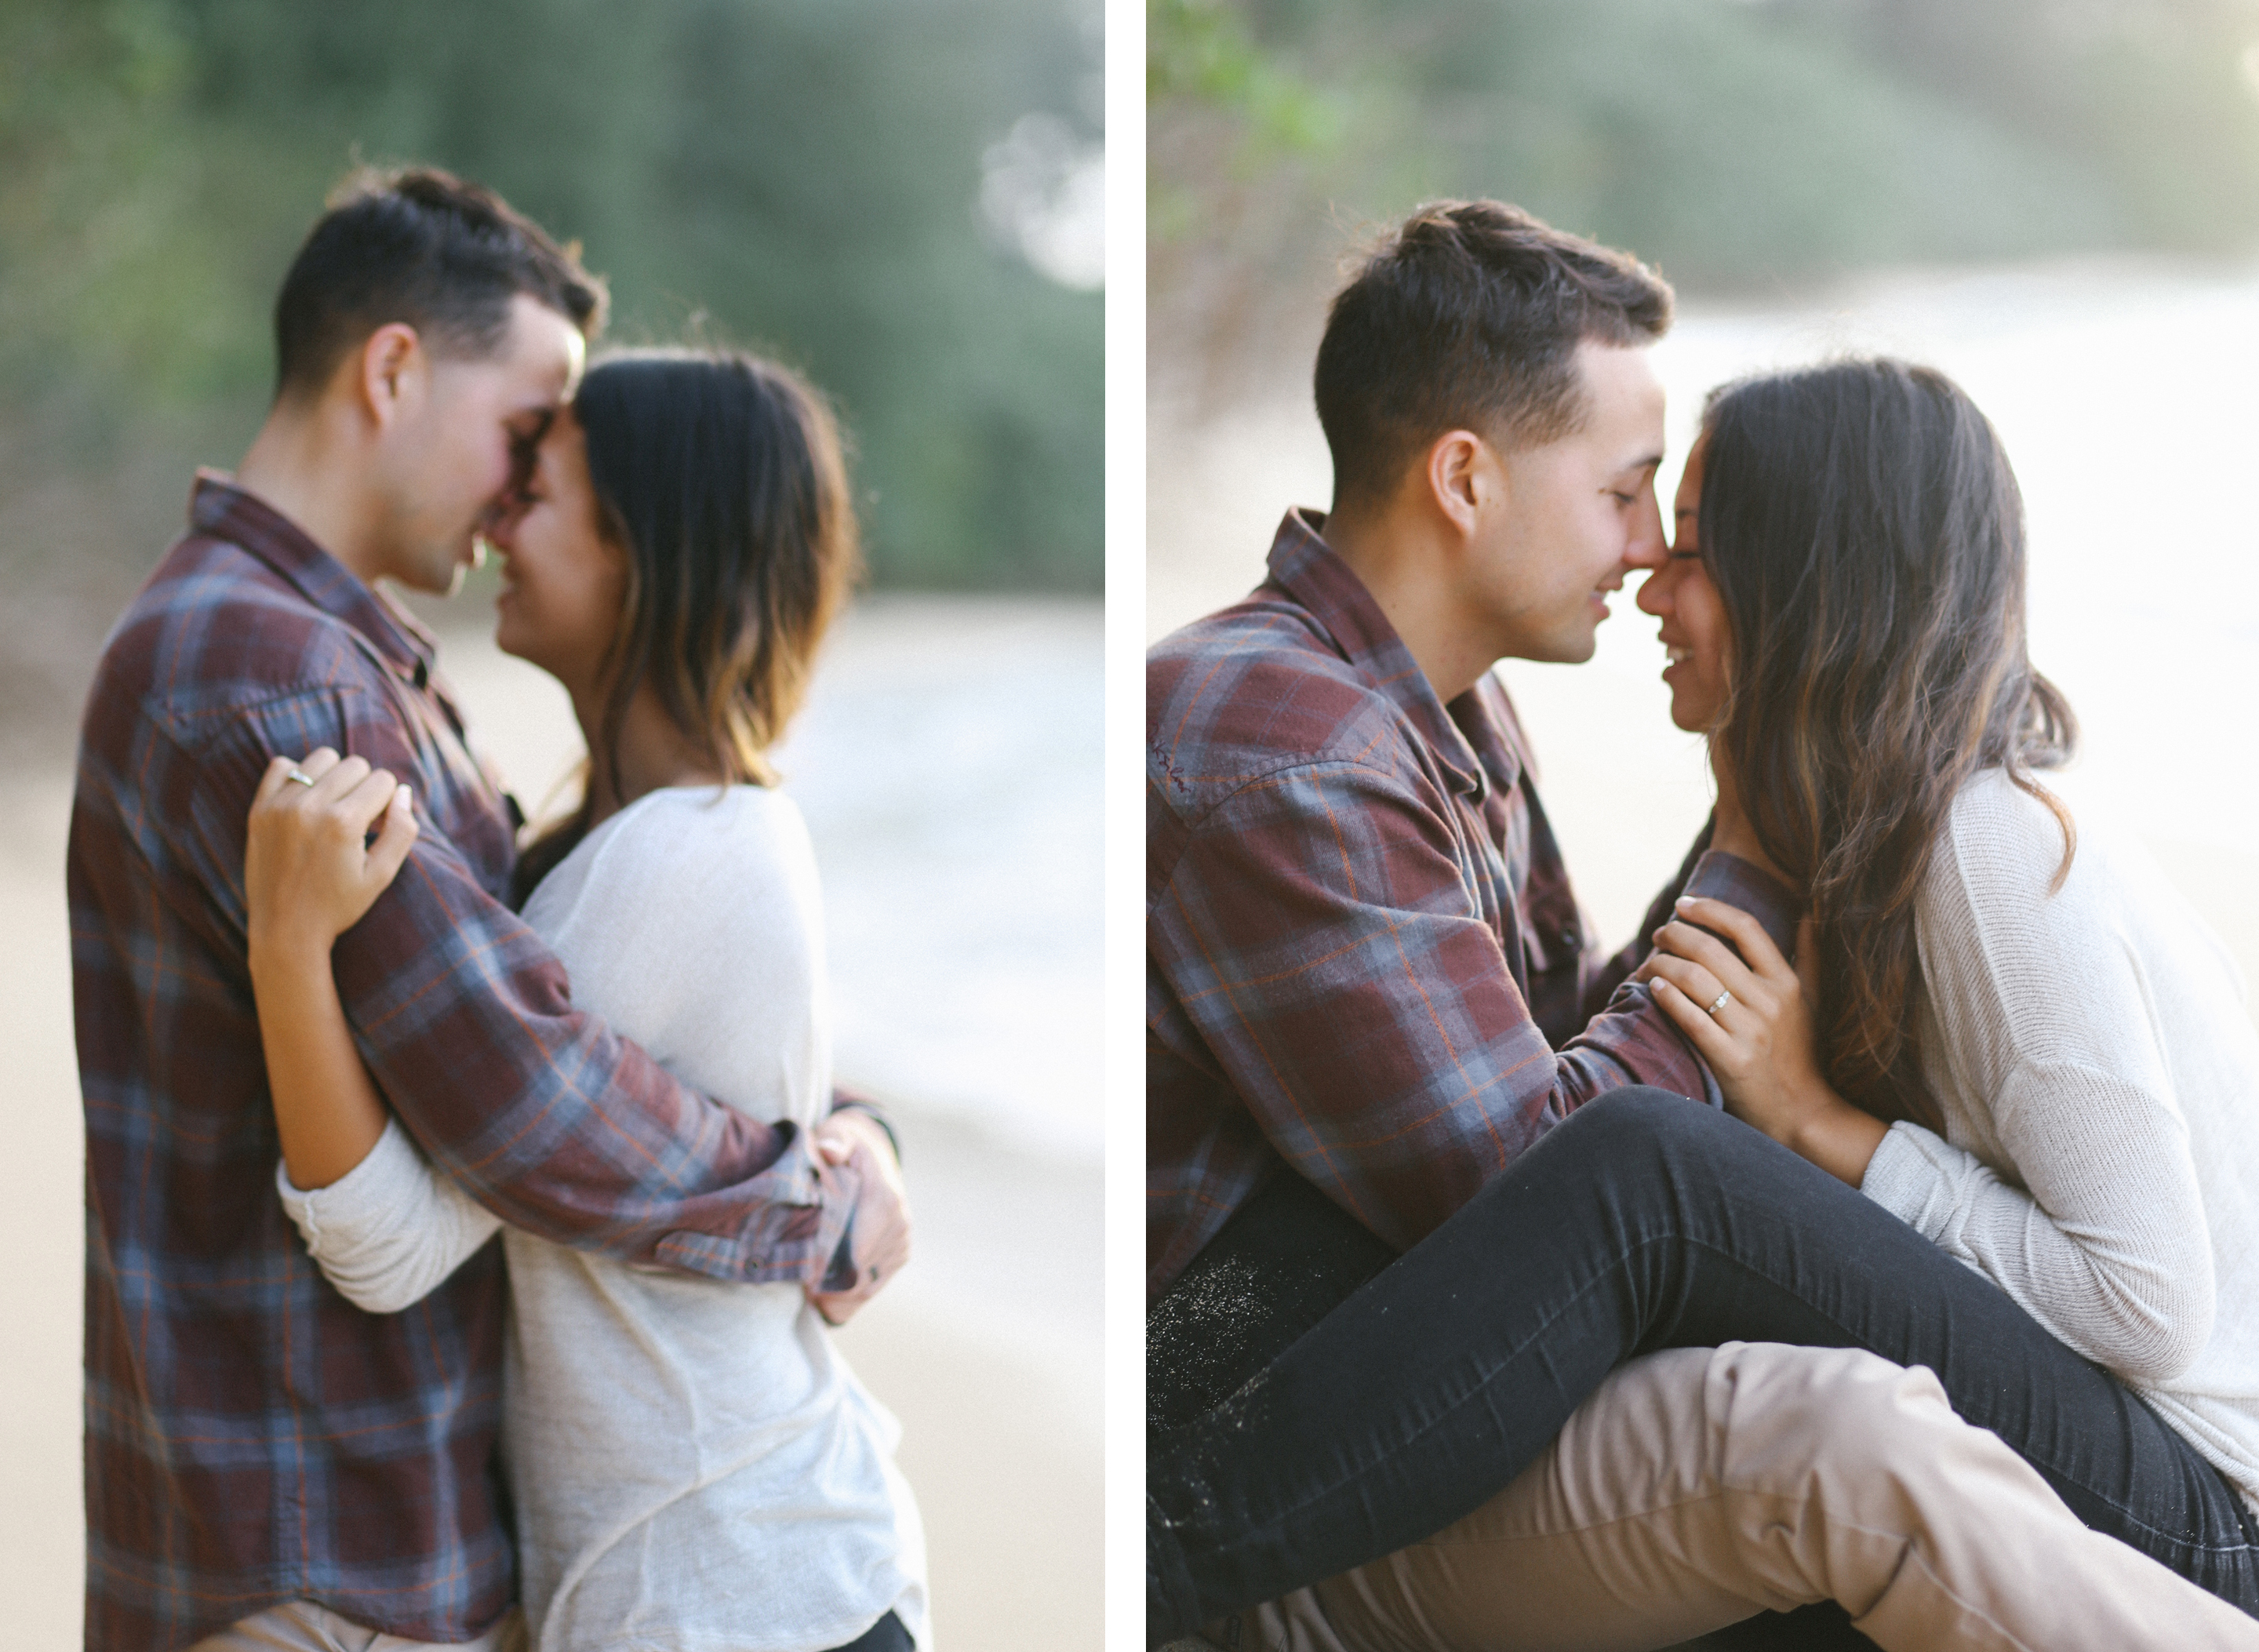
1693, 632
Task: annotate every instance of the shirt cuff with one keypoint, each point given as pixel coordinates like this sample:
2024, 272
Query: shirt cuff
1904, 1172
801, 1212
360, 1202
1719, 876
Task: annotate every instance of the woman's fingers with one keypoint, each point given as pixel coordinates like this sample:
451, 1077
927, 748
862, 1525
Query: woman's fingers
339, 779
397, 835
1710, 1041
367, 798
272, 782
1681, 939
1695, 982
1745, 931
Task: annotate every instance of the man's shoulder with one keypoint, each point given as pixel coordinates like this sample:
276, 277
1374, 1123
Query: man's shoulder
212, 631
1255, 689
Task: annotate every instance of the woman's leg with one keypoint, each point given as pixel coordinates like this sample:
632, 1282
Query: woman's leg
1698, 1486
1641, 1223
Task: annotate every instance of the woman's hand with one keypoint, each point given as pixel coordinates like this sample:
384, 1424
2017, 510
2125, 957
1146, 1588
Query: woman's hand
309, 871
852, 1137
1758, 1041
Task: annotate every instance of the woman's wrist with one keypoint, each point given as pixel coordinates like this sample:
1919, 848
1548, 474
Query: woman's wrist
281, 950
1836, 1135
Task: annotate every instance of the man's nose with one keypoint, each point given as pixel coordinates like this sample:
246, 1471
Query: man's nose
1647, 548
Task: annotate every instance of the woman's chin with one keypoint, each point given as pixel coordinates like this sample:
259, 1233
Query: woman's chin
511, 639
1690, 717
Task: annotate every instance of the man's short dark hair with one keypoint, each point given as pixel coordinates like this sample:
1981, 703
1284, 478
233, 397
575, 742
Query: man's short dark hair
1468, 317
415, 245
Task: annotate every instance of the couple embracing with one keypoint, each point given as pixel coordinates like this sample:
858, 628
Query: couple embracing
1874, 1240
336, 1027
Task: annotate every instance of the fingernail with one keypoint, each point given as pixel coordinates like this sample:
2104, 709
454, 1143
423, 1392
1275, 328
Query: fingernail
1684, 900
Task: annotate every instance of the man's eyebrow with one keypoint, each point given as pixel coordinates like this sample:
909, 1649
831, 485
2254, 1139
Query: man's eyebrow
1652, 462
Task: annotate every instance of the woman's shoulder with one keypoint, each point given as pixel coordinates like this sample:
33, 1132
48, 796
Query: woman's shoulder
2006, 840
703, 849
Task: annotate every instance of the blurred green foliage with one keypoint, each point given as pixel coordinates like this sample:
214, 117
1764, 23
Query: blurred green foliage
802, 176
1734, 143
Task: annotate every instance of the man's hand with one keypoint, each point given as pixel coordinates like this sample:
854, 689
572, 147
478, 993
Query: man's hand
881, 1215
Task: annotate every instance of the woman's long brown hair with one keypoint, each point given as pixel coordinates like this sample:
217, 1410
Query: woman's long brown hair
723, 479
1863, 529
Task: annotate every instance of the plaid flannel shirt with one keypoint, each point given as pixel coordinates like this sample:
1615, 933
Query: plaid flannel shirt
1362, 955
252, 1437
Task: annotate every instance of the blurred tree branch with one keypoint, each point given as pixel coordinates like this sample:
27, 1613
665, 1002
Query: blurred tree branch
1736, 144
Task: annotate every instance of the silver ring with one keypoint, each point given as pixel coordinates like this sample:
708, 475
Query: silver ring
1724, 999
300, 776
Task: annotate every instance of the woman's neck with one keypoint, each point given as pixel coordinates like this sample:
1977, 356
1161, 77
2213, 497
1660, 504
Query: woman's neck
652, 751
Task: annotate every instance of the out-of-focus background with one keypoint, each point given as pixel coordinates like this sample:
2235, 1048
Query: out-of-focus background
2056, 201
901, 197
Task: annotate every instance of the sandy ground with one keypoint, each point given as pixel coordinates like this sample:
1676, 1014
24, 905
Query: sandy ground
988, 1349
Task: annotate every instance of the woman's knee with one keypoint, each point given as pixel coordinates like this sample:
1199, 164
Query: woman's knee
1640, 1125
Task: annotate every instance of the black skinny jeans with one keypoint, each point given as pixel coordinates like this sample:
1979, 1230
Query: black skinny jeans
1642, 1222
885, 1635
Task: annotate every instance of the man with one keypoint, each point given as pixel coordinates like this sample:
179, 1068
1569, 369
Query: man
1365, 964
265, 1465
1369, 996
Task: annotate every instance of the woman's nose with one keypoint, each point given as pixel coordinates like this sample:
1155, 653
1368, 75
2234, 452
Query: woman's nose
1654, 594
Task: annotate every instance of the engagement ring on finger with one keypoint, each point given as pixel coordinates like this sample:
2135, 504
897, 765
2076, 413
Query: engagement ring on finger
300, 776
1724, 999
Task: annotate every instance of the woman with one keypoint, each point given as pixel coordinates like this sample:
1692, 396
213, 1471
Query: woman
691, 1463
1846, 621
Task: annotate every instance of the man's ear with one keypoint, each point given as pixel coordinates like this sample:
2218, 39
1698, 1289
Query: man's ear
393, 367
1459, 477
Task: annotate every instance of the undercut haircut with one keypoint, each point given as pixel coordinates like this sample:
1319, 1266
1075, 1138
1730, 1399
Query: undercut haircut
417, 246
1468, 317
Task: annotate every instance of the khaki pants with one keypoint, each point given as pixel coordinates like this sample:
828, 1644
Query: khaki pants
1697, 1487
299, 1627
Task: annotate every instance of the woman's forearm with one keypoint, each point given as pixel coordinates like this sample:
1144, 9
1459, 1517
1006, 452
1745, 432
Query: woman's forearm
326, 1106
1836, 1136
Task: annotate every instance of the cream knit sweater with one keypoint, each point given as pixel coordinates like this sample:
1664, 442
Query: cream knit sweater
2099, 1073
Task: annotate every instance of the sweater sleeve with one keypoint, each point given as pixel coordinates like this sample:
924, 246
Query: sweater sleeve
2090, 1215
390, 1230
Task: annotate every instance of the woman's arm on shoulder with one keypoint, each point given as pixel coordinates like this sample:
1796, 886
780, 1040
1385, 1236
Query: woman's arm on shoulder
309, 876
381, 1223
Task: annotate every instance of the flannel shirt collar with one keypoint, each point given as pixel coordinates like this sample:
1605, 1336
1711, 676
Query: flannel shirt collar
1308, 570
224, 511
